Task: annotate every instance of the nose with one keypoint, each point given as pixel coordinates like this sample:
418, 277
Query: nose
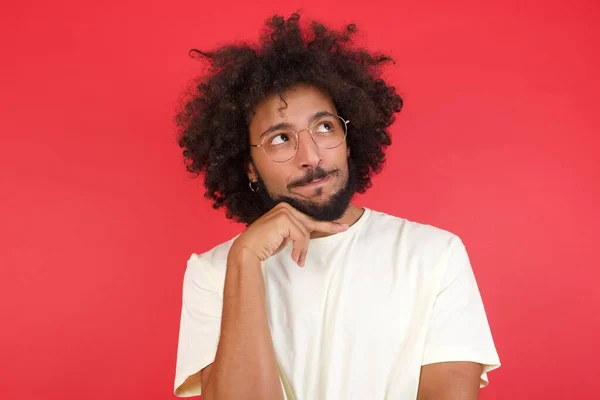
308, 153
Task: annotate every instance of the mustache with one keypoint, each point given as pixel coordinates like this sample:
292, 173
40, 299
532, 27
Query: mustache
311, 175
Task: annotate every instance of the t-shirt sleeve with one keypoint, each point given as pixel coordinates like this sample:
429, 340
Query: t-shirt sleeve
200, 327
458, 329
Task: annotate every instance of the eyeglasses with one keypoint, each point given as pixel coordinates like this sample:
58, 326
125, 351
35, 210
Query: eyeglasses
281, 145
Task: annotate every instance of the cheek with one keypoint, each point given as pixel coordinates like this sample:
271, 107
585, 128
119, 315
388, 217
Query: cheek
342, 160
274, 178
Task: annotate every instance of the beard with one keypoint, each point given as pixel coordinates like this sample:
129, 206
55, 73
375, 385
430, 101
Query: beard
330, 210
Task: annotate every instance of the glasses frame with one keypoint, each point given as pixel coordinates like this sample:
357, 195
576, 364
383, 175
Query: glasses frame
297, 134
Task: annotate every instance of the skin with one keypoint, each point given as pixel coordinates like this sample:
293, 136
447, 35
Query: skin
301, 103
245, 365
457, 380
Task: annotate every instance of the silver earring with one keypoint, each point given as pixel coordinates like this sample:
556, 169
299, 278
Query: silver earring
253, 188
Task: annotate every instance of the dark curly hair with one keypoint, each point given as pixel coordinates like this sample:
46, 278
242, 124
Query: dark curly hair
214, 121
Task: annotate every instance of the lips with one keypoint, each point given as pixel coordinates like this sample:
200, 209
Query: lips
316, 181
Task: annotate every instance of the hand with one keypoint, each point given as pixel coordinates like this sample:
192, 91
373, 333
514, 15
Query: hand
269, 234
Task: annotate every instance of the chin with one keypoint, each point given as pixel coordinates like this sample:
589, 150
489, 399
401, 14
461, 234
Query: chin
323, 208
331, 208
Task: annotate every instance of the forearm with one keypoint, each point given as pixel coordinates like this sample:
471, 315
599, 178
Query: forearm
245, 366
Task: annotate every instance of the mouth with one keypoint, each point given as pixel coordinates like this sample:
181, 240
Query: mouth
321, 178
316, 182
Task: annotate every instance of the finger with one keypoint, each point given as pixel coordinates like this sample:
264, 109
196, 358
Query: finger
282, 246
291, 229
300, 235
318, 226
302, 258
325, 226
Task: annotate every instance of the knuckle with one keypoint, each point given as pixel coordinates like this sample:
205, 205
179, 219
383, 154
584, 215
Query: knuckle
282, 212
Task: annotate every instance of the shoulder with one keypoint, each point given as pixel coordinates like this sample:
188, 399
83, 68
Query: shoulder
415, 238
416, 233
208, 269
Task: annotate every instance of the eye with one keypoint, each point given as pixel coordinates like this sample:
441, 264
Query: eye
325, 127
278, 139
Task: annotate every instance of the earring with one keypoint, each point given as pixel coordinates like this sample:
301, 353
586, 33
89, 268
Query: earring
253, 188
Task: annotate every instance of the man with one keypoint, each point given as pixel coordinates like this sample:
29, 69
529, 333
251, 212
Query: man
317, 298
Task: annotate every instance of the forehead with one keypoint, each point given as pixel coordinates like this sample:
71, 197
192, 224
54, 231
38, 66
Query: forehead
294, 106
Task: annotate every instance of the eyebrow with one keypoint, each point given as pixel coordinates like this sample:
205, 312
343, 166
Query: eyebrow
287, 125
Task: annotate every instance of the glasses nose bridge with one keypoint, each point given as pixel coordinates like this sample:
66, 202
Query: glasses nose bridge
310, 133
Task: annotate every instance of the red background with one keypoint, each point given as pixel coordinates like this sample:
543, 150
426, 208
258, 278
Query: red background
497, 143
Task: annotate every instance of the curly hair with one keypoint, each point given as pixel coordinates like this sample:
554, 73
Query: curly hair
213, 124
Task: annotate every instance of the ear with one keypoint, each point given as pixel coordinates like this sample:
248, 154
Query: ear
251, 171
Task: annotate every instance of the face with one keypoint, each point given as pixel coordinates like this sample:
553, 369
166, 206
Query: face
316, 180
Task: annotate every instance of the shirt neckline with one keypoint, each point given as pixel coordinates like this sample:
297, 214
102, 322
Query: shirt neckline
331, 239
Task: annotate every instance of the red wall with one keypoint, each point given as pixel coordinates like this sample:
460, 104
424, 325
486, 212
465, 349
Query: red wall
497, 143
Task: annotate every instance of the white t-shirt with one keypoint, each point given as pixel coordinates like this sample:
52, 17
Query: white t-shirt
369, 308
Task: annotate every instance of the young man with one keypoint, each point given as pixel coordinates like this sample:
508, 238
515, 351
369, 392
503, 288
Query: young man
317, 298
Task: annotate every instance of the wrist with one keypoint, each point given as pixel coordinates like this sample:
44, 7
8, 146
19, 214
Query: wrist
241, 255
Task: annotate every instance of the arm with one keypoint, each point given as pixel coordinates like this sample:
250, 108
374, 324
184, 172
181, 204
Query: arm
459, 349
225, 347
449, 381
245, 366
